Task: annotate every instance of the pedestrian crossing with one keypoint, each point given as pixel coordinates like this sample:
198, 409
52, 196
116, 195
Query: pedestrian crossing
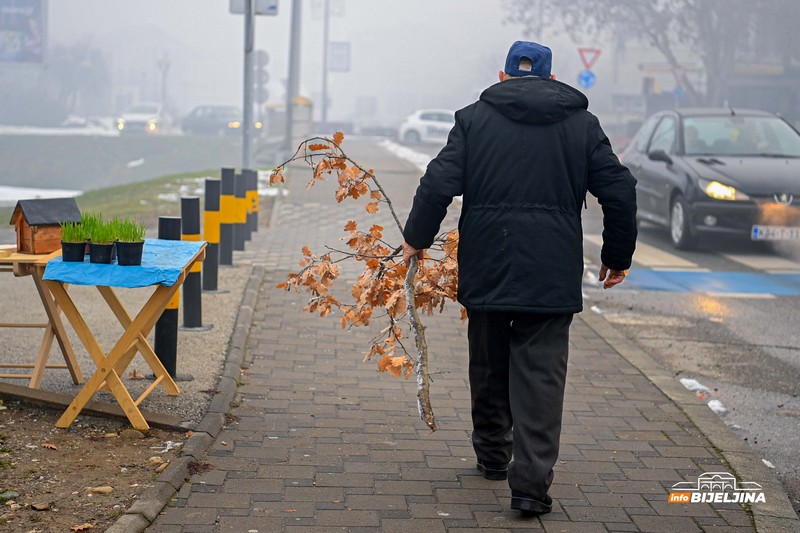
747, 276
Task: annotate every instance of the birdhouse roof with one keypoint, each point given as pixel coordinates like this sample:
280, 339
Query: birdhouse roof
47, 211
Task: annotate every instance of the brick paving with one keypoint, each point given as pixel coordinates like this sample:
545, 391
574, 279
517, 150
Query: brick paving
318, 441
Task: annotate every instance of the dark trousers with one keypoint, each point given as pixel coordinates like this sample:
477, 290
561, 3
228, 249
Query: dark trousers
517, 372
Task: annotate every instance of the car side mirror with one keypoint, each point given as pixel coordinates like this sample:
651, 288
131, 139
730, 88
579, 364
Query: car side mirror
660, 155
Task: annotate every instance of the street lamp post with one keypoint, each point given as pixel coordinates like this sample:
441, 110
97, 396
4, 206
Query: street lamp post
294, 72
247, 119
325, 24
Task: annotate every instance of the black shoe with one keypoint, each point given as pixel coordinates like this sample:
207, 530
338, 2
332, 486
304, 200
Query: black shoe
528, 505
493, 471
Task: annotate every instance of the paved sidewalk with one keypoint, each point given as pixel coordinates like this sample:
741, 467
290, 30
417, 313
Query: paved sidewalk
317, 440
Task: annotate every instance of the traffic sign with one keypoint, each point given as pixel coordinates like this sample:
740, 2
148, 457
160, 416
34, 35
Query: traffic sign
339, 57
587, 79
261, 7
589, 56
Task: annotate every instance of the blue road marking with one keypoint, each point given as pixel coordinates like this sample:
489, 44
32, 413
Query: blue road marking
722, 282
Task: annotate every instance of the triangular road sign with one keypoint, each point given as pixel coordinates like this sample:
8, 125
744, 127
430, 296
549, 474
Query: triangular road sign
589, 56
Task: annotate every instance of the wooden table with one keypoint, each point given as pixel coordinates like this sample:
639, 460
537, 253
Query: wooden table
33, 265
112, 365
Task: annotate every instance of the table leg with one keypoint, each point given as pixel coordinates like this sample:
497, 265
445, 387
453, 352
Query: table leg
147, 316
105, 365
141, 343
56, 329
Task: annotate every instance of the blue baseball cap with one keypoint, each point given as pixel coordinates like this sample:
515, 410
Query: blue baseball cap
540, 55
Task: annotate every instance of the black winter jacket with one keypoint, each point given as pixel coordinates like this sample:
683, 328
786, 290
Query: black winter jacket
523, 157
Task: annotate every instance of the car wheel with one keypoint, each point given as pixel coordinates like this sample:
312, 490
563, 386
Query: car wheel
411, 137
680, 230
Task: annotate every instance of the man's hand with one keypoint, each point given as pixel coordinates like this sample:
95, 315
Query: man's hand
409, 252
611, 277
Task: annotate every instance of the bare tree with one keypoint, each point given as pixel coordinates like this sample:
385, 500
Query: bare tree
718, 31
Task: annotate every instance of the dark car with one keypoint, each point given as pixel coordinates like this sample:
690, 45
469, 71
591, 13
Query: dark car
214, 120
717, 171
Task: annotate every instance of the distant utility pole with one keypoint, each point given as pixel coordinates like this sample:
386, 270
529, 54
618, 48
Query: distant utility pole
247, 119
163, 65
292, 87
325, 24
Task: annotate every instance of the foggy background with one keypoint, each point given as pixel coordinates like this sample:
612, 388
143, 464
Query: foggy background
404, 55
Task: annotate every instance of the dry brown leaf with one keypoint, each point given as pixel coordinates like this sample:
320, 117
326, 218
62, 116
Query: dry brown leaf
338, 137
49, 446
162, 467
371, 208
82, 527
316, 147
135, 374
290, 510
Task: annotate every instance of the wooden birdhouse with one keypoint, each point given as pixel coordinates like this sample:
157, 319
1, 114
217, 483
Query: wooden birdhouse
38, 223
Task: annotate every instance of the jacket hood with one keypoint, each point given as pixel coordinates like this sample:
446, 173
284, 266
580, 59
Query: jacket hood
535, 100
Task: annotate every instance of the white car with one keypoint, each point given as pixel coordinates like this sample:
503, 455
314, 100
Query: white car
427, 125
144, 117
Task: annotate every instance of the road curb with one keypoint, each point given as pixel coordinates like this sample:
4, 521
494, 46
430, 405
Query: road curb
151, 502
777, 514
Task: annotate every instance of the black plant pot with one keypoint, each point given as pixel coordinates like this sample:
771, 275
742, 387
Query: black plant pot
100, 253
129, 253
73, 252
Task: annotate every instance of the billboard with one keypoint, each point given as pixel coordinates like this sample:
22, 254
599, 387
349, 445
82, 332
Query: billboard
22, 31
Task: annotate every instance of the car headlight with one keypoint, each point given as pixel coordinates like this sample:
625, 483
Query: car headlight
120, 124
234, 124
720, 191
152, 124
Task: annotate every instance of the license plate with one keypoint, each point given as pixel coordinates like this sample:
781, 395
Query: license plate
775, 233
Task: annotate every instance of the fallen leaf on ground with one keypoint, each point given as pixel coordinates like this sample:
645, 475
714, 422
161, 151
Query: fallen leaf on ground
105, 489
49, 446
135, 374
40, 506
82, 527
161, 467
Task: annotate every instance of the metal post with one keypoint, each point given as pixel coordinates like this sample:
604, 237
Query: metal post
240, 227
211, 234
227, 216
325, 22
247, 119
166, 333
192, 293
294, 73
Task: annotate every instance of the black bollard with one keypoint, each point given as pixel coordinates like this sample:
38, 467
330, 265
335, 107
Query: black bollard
192, 292
251, 199
256, 201
240, 227
211, 234
166, 334
227, 216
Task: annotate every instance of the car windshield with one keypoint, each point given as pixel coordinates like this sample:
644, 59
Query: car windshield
229, 113
144, 109
738, 135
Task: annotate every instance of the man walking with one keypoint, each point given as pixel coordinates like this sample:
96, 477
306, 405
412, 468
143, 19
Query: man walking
523, 157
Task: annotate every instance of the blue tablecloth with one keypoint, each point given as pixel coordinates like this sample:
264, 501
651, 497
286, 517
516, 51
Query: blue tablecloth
162, 262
